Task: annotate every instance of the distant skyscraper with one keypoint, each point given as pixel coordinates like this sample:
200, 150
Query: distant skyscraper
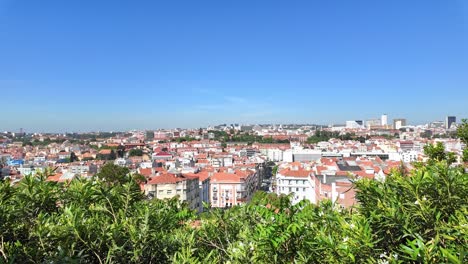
449, 121
384, 120
398, 123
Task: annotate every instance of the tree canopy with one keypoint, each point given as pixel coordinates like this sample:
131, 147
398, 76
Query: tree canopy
462, 133
420, 217
135, 152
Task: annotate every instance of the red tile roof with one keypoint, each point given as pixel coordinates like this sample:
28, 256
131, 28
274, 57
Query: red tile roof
167, 178
146, 172
295, 173
203, 175
225, 177
105, 151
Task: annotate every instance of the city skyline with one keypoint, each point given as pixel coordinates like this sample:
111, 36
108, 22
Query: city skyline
163, 65
365, 125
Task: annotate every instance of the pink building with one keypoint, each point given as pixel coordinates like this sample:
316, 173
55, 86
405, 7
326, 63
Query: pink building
230, 189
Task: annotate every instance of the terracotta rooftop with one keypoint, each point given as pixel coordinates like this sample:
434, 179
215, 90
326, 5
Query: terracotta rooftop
295, 173
168, 178
225, 177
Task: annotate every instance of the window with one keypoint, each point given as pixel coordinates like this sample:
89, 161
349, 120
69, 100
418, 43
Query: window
290, 182
303, 189
342, 196
297, 189
161, 191
290, 189
169, 191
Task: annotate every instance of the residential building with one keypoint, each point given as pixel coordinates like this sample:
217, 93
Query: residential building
79, 169
295, 180
167, 185
409, 156
221, 160
232, 188
204, 187
162, 155
338, 189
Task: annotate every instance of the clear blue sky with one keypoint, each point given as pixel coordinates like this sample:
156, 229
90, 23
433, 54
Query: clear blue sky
113, 65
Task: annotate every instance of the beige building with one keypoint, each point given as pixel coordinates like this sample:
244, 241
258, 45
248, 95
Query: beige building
169, 185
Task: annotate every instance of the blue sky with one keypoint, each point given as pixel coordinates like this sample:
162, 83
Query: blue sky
117, 65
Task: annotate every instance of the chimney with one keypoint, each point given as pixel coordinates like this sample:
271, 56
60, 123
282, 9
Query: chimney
324, 178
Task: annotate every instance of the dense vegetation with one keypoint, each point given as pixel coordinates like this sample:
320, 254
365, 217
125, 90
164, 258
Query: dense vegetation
420, 217
321, 135
244, 137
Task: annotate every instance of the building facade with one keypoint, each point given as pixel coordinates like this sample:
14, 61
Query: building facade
167, 186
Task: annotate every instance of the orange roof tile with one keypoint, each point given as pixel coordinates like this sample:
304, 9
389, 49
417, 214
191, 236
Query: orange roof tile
295, 173
225, 177
167, 178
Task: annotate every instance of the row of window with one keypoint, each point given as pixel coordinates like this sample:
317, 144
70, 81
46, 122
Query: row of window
292, 189
291, 182
170, 191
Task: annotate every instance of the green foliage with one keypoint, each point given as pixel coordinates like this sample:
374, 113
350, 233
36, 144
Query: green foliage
436, 153
465, 155
321, 135
420, 217
272, 230
86, 222
73, 157
135, 152
220, 135
274, 170
244, 137
183, 139
113, 174
462, 131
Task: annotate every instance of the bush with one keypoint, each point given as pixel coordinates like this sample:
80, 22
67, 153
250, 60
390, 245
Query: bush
415, 218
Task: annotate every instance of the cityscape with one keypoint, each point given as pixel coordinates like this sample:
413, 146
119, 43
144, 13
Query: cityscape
225, 165
237, 132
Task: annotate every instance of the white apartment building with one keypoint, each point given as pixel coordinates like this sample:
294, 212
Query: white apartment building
298, 181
